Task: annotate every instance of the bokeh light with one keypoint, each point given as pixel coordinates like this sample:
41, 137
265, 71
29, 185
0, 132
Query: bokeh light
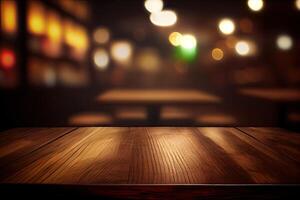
54, 28
121, 51
284, 42
297, 4
8, 16
154, 5
188, 41
175, 38
255, 5
227, 26
217, 54
242, 48
101, 35
101, 59
164, 18
8, 58
36, 18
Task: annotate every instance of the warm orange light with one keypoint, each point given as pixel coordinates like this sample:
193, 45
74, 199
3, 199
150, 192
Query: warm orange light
76, 36
54, 29
81, 38
9, 16
36, 19
8, 59
217, 54
175, 38
69, 32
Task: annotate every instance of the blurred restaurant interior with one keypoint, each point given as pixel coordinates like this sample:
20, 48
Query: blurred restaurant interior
150, 63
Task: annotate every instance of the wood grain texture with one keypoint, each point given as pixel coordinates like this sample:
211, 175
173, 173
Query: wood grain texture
164, 155
286, 143
15, 143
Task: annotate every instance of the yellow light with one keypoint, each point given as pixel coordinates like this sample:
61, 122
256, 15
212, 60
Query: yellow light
175, 38
164, 18
9, 16
188, 41
54, 29
217, 54
101, 59
154, 5
69, 33
36, 18
284, 42
226, 26
242, 48
297, 4
255, 5
121, 51
81, 38
101, 35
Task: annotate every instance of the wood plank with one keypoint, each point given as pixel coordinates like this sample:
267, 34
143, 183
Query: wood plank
15, 143
153, 155
179, 156
87, 155
260, 161
284, 142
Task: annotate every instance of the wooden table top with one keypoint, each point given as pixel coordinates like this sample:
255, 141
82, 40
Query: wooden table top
275, 94
157, 97
143, 155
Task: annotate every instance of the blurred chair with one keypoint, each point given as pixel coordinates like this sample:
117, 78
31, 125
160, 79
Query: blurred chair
130, 114
90, 119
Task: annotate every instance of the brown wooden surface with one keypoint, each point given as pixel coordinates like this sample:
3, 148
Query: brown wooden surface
273, 94
156, 97
106, 155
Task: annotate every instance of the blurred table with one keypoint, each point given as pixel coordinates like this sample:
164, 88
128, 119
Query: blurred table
276, 94
283, 97
153, 100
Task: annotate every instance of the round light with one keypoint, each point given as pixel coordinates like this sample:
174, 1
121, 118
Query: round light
101, 35
255, 5
175, 38
297, 4
226, 26
284, 42
242, 48
154, 5
163, 18
217, 54
188, 41
101, 58
8, 59
121, 51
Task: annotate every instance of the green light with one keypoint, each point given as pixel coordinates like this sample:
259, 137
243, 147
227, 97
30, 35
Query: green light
186, 54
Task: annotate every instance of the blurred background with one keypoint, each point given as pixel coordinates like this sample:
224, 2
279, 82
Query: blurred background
136, 62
